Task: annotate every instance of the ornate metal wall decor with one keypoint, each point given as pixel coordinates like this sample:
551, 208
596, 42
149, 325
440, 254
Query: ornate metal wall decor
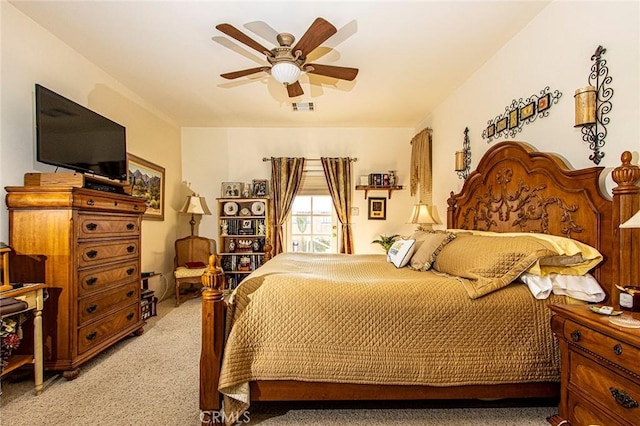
523, 206
520, 112
463, 158
594, 134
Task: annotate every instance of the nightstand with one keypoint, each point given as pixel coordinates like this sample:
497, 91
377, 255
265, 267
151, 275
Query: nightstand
600, 371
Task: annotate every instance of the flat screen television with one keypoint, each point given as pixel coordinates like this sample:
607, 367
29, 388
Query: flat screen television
71, 136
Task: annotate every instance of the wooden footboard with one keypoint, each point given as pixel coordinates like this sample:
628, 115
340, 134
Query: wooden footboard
213, 317
579, 210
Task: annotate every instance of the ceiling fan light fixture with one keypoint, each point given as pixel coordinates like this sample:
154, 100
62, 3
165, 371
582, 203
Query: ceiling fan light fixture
285, 72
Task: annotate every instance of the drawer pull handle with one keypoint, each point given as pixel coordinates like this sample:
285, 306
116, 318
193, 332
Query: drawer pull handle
130, 316
623, 398
576, 336
135, 207
131, 249
92, 335
92, 254
90, 202
91, 226
130, 226
130, 293
92, 308
617, 349
130, 271
91, 281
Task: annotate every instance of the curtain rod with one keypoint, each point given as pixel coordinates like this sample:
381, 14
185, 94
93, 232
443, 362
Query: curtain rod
310, 159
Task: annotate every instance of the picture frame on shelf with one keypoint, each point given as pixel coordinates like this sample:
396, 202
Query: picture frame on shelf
231, 190
377, 208
147, 182
527, 111
260, 188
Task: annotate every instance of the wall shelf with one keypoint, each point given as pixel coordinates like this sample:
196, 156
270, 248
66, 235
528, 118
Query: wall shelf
367, 188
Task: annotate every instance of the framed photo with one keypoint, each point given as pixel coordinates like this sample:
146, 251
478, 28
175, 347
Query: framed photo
501, 124
231, 190
527, 111
543, 102
491, 130
147, 182
260, 188
377, 208
514, 118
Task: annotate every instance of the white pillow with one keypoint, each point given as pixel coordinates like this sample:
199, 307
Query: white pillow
401, 251
581, 287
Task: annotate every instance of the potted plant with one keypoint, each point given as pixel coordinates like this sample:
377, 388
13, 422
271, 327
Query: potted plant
386, 241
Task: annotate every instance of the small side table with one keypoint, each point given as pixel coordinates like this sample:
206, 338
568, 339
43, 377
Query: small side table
33, 294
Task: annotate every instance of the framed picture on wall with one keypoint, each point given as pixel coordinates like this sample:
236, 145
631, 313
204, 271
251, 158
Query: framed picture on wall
147, 182
544, 102
527, 111
501, 124
377, 208
514, 118
491, 130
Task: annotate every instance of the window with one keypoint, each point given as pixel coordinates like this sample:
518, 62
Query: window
312, 225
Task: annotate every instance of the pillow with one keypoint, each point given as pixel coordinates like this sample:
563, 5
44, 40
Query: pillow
584, 287
401, 251
194, 265
428, 245
489, 263
567, 259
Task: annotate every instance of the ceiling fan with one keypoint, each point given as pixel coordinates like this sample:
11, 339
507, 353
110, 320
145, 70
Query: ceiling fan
287, 62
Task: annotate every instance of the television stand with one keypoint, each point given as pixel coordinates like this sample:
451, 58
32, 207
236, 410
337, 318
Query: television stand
77, 180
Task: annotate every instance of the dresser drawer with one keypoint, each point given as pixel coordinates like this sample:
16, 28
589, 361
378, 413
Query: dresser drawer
609, 348
98, 253
97, 332
90, 200
583, 413
95, 307
92, 280
101, 226
614, 392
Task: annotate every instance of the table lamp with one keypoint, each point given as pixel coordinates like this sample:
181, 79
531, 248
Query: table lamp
195, 204
421, 215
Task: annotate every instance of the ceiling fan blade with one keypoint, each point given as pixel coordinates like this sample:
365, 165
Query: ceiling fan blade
235, 33
317, 34
343, 73
294, 89
243, 73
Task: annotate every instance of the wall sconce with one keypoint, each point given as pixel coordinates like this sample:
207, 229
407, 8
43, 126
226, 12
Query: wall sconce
592, 103
463, 158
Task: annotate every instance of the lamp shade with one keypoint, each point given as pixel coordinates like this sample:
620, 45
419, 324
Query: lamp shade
460, 161
633, 222
420, 215
195, 205
285, 72
585, 106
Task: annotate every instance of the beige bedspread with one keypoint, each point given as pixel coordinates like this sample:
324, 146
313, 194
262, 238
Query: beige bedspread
358, 319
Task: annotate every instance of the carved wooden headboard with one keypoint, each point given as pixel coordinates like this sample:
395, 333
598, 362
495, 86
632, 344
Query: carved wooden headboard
515, 189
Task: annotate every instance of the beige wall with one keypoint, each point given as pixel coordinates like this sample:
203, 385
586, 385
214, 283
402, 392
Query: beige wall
32, 55
553, 50
235, 154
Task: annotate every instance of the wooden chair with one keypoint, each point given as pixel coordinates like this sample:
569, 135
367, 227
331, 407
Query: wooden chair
190, 262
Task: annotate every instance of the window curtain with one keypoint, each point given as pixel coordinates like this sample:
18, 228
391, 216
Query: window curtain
421, 166
337, 171
286, 175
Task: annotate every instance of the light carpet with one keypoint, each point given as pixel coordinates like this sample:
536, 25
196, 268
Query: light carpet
153, 380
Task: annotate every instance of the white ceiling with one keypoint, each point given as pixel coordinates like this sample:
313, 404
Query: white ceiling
411, 54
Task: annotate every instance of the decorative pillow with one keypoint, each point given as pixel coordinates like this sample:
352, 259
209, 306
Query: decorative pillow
490, 263
194, 265
428, 245
401, 251
566, 261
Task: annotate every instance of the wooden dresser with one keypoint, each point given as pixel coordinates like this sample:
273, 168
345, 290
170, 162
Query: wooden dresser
85, 246
600, 377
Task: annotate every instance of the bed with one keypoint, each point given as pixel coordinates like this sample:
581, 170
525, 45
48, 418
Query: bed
327, 327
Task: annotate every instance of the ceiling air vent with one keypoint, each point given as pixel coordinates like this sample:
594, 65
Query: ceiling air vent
303, 106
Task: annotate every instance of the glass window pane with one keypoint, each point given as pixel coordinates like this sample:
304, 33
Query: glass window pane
301, 205
300, 225
322, 205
